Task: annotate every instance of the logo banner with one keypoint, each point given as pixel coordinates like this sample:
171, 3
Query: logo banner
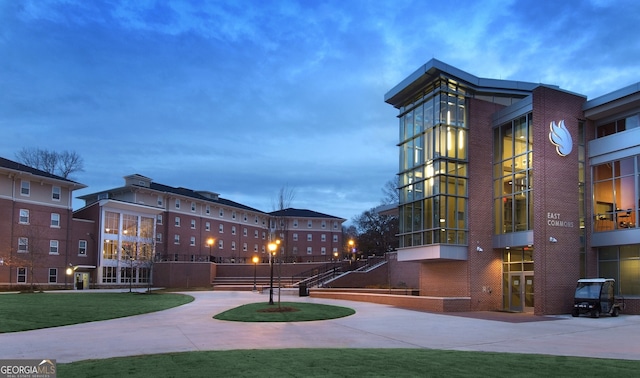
27, 368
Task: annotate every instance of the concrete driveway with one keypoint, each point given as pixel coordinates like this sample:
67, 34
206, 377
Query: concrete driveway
192, 328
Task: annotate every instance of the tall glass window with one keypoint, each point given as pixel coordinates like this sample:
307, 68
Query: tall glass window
616, 194
622, 264
513, 176
433, 168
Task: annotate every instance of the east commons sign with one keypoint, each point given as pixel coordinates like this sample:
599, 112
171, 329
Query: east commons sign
555, 220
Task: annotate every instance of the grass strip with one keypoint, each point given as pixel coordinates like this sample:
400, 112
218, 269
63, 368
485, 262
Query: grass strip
290, 312
23, 312
348, 363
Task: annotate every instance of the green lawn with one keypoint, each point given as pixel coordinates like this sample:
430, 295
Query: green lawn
25, 311
299, 312
22, 312
348, 363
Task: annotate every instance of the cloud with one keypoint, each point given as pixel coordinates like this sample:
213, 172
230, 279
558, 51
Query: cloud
242, 100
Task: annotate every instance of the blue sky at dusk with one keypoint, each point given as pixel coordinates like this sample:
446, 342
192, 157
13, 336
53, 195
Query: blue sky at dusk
246, 97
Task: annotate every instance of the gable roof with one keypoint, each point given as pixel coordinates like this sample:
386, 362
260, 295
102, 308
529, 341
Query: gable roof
196, 195
11, 165
301, 213
179, 191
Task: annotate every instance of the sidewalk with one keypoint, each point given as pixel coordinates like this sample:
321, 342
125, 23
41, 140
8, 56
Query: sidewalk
192, 328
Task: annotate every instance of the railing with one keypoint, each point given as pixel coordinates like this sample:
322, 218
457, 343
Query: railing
238, 259
319, 275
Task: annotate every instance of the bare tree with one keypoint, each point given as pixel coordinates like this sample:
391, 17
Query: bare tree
390, 191
283, 201
376, 232
69, 162
285, 198
62, 163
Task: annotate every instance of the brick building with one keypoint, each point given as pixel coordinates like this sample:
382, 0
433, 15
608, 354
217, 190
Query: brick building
120, 233
39, 237
497, 179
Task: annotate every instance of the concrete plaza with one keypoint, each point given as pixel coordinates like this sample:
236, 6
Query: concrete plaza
192, 328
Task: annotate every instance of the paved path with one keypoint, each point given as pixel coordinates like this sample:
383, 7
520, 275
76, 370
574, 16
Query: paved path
191, 328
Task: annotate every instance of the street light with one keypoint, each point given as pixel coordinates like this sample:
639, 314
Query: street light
69, 273
131, 274
351, 243
210, 242
272, 250
255, 265
335, 262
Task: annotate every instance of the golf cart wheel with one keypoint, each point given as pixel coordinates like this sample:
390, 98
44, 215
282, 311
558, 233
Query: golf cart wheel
595, 313
575, 313
615, 312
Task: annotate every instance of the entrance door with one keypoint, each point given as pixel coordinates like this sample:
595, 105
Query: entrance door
81, 280
515, 292
528, 292
521, 291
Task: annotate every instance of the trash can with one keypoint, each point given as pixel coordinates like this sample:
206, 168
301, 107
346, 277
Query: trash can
304, 292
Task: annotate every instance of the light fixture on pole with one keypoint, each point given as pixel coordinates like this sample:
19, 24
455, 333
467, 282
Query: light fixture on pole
272, 250
130, 274
351, 249
255, 265
210, 242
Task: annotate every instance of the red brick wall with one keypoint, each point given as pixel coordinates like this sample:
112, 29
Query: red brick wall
485, 269
555, 186
444, 279
403, 273
183, 274
378, 277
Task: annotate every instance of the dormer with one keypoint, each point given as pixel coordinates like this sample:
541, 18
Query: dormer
137, 180
208, 194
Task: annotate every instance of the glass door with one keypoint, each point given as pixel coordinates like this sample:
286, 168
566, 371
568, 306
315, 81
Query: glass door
515, 292
528, 292
521, 292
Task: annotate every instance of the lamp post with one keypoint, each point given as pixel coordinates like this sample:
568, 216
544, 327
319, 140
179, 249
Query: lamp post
255, 265
272, 248
130, 274
335, 262
210, 242
69, 273
351, 243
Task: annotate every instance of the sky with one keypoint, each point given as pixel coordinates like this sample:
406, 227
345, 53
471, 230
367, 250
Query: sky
245, 98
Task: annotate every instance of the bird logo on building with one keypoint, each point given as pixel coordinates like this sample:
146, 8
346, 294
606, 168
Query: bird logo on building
560, 137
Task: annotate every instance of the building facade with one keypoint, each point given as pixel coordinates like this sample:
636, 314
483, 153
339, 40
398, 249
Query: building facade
122, 232
511, 191
39, 237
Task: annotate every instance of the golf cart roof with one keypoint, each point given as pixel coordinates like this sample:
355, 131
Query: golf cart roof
595, 280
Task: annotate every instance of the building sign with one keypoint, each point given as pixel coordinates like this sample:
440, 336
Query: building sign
555, 220
560, 137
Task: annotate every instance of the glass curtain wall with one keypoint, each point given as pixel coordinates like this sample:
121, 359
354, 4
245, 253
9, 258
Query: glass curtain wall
616, 194
513, 176
621, 263
127, 246
582, 203
433, 167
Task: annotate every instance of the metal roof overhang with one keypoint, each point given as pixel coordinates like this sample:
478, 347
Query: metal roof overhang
434, 252
620, 101
424, 75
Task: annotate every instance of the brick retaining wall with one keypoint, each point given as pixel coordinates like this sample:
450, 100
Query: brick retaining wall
434, 304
